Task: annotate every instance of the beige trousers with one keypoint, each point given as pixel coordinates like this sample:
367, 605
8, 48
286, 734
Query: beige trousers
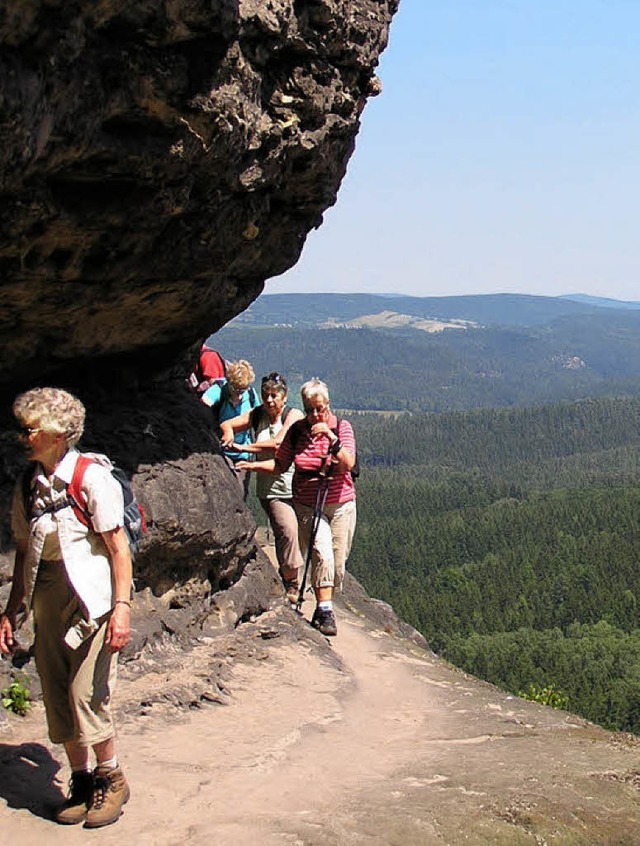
77, 684
332, 543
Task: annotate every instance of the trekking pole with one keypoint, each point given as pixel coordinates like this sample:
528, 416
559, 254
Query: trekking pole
321, 498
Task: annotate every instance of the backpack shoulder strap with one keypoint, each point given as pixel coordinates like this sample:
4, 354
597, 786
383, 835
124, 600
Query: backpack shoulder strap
74, 490
217, 405
253, 398
254, 417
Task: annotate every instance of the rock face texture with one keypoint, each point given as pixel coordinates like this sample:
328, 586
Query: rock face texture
161, 159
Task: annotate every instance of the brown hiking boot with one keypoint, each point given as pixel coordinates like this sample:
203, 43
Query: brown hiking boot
75, 807
110, 793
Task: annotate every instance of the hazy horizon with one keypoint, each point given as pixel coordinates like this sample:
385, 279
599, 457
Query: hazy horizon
570, 295
499, 158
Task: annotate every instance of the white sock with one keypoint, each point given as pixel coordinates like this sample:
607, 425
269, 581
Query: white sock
326, 605
111, 764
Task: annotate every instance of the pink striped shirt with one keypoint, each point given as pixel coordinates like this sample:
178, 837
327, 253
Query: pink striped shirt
308, 454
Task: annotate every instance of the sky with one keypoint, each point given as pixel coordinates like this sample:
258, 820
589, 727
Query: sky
503, 155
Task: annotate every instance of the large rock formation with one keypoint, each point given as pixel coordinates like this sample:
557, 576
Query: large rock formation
161, 159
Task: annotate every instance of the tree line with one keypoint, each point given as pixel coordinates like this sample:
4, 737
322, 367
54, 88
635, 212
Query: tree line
511, 539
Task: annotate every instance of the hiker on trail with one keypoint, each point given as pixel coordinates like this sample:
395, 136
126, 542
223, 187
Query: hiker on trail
77, 580
230, 400
270, 421
317, 444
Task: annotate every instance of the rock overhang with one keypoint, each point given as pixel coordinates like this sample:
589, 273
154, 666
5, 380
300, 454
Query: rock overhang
161, 160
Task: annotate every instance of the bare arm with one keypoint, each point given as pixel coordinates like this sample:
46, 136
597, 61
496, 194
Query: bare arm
294, 415
266, 466
16, 598
236, 424
271, 443
119, 626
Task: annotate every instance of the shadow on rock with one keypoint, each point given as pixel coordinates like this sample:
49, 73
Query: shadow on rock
27, 778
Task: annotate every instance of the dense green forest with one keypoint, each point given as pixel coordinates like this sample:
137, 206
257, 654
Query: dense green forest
499, 508
584, 355
511, 539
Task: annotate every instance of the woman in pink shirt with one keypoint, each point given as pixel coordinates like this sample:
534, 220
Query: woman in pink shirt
317, 446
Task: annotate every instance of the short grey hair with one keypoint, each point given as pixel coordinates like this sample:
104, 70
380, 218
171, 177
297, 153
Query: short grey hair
52, 410
314, 388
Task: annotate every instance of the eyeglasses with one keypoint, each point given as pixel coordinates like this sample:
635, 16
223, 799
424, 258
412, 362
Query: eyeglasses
27, 431
275, 378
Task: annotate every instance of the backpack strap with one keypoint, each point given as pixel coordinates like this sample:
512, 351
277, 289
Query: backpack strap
355, 470
254, 419
256, 413
74, 490
75, 497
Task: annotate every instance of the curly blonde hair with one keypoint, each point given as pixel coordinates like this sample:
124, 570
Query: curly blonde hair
240, 375
52, 410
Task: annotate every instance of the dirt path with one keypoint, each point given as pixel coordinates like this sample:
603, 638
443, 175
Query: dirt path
368, 741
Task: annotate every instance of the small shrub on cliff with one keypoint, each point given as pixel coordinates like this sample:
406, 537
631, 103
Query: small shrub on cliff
17, 697
545, 696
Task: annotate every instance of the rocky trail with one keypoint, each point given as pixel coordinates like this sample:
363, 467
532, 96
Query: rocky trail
368, 739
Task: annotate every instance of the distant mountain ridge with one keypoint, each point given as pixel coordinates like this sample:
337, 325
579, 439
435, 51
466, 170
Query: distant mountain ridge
483, 309
497, 350
601, 302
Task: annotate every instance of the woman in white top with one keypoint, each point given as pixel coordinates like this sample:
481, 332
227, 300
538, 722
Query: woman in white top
269, 422
73, 569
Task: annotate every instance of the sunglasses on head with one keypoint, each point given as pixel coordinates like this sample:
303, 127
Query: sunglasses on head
274, 378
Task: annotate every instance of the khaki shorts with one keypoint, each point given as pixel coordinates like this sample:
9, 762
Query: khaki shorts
77, 684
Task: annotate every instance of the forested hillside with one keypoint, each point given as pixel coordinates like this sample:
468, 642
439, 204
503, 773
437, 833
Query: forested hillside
511, 539
499, 509
485, 309
406, 369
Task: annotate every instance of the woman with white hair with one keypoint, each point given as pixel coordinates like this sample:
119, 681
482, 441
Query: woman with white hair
320, 446
75, 575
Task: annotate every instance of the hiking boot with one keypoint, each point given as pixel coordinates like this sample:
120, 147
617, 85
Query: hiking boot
324, 622
292, 590
75, 807
110, 793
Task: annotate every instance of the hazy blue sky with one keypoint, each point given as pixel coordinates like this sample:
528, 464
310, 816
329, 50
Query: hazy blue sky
502, 155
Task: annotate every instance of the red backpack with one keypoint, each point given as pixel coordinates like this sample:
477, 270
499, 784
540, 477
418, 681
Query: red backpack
210, 369
135, 524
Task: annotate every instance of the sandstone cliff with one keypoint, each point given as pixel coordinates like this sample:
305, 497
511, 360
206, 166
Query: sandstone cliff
161, 159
